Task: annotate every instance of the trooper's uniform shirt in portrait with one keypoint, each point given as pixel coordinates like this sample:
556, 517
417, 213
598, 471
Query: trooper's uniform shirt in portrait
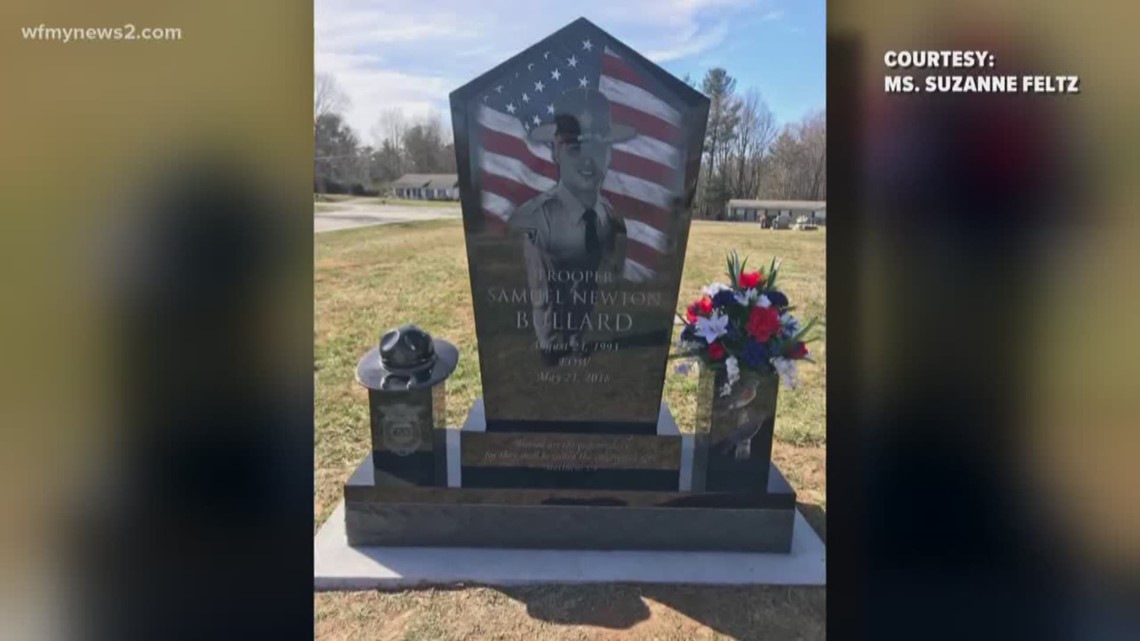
553, 227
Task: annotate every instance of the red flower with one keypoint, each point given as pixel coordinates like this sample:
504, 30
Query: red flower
799, 350
704, 306
762, 323
716, 351
748, 280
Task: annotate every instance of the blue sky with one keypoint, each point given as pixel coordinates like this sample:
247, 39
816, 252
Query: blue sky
409, 55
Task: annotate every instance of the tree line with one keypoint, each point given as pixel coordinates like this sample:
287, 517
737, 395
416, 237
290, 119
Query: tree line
398, 146
747, 153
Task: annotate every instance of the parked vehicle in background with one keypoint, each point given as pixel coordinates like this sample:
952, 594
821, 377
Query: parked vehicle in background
804, 223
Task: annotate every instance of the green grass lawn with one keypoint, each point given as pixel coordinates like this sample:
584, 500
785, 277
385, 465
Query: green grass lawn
372, 279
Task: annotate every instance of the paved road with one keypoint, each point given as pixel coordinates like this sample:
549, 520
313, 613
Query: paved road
349, 214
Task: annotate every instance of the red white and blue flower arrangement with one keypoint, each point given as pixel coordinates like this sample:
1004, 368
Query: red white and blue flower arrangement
746, 324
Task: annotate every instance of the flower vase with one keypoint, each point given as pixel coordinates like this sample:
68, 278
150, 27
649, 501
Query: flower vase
734, 431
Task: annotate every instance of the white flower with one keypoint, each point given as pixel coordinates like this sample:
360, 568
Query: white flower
733, 368
763, 302
714, 289
713, 327
683, 368
786, 368
726, 389
746, 297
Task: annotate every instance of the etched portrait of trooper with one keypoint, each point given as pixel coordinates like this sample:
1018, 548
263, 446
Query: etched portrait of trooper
572, 239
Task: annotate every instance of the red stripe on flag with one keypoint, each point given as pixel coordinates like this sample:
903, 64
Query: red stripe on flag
617, 69
642, 167
517, 193
645, 124
494, 223
638, 210
507, 145
641, 253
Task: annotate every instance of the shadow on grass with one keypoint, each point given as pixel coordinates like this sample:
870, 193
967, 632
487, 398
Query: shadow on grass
739, 612
607, 606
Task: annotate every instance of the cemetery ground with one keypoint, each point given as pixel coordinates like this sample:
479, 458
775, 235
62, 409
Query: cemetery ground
370, 279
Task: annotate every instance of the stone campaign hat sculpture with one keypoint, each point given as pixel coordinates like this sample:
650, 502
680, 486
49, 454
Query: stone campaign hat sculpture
407, 358
582, 115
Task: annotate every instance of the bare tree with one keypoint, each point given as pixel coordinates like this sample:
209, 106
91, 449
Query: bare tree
328, 97
799, 161
390, 126
755, 131
813, 136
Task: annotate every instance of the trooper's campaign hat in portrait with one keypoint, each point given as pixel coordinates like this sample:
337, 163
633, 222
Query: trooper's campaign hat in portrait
582, 115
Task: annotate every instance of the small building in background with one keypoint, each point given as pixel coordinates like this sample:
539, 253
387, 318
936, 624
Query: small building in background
780, 214
426, 187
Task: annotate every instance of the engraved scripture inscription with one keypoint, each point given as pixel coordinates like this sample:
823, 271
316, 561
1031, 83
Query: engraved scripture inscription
571, 451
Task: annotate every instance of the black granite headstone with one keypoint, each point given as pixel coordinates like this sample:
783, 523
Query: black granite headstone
577, 163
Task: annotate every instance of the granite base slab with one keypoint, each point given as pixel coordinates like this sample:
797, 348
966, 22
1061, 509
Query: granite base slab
338, 566
382, 512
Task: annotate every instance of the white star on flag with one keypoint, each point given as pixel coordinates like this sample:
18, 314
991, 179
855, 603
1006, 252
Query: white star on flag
556, 74
536, 120
582, 82
530, 66
545, 55
587, 45
499, 89
538, 86
511, 108
572, 61
526, 98
549, 109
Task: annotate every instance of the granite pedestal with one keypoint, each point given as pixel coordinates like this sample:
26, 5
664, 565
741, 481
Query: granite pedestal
338, 566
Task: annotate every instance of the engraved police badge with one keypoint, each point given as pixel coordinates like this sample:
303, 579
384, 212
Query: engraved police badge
402, 431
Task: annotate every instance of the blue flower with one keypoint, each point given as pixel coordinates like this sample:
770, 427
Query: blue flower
723, 297
778, 299
754, 353
791, 324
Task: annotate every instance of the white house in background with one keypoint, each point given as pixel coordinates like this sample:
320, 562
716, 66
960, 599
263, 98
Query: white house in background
426, 187
780, 212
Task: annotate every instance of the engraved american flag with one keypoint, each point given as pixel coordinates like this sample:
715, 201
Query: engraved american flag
645, 174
